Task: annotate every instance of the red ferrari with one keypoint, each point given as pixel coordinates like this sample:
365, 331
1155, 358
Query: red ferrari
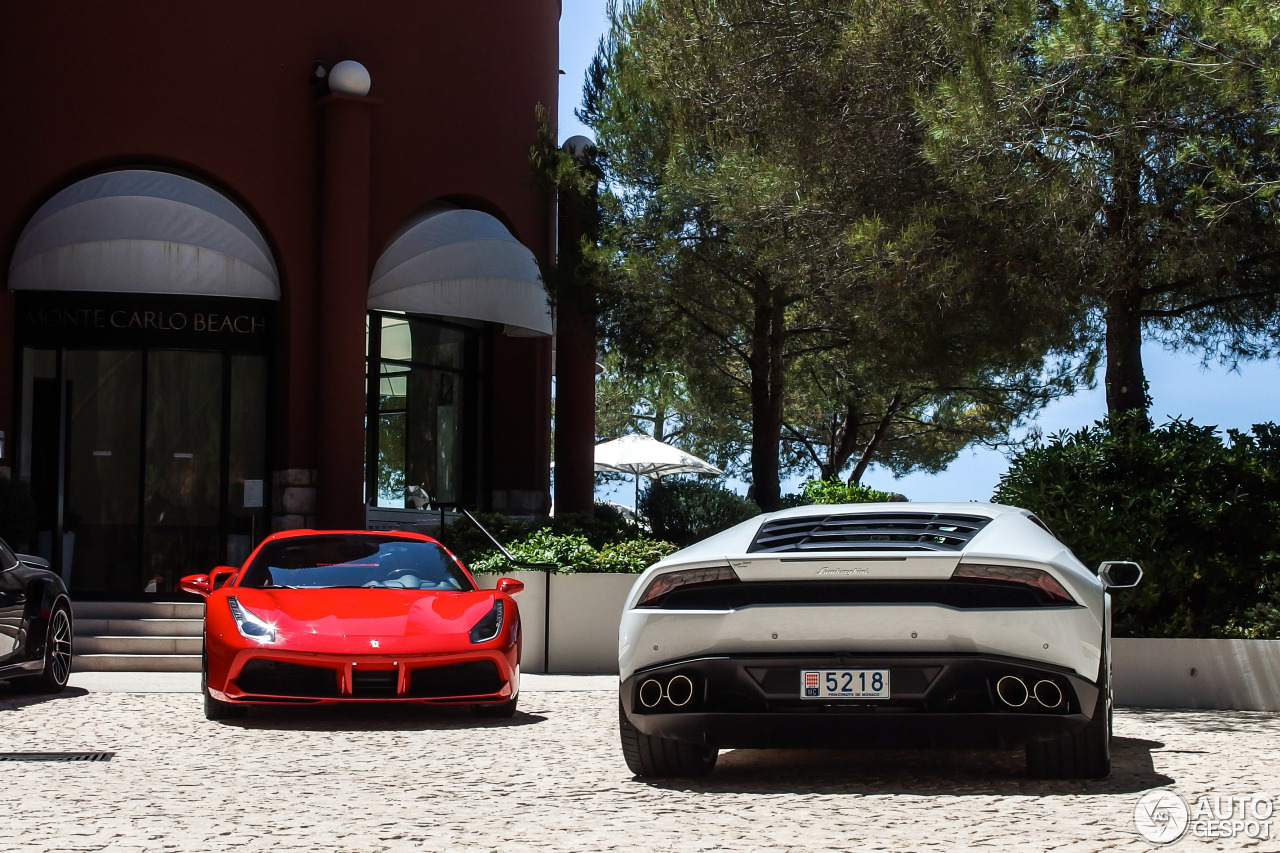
320, 617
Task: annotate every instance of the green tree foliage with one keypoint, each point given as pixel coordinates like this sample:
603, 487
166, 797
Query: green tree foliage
1201, 516
773, 233
1132, 150
659, 403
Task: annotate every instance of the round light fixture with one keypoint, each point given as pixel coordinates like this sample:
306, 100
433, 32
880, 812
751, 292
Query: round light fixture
349, 77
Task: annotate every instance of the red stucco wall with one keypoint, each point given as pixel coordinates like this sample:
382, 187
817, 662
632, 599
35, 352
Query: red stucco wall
221, 89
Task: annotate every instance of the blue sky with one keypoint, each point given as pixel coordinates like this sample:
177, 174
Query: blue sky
1180, 386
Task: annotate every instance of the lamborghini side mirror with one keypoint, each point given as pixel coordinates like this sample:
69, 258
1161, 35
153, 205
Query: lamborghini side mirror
1119, 574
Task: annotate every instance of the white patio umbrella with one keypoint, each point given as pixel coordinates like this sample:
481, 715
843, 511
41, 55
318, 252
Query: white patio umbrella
642, 455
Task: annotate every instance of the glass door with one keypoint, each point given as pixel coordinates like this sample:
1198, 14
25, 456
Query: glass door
182, 494
103, 417
146, 464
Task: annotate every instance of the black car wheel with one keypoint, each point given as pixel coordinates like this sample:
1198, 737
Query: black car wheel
216, 709
1083, 755
502, 710
659, 757
57, 656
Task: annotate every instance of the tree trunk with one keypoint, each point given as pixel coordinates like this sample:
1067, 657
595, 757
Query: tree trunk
877, 438
1125, 381
766, 396
846, 439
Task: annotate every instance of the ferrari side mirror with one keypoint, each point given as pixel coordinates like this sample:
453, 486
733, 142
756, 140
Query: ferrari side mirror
510, 585
1119, 574
219, 576
199, 584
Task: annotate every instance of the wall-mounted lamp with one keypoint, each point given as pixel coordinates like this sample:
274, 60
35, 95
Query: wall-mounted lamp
349, 77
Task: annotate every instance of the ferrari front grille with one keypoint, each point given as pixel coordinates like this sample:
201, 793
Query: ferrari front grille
882, 531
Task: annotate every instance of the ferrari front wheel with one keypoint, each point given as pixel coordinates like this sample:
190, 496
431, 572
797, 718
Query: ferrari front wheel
660, 757
502, 710
216, 709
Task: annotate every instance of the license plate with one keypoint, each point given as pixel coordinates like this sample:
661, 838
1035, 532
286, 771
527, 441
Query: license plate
844, 684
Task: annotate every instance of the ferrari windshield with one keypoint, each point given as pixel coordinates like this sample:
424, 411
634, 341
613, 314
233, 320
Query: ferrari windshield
355, 560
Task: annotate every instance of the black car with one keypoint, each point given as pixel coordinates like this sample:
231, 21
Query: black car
35, 624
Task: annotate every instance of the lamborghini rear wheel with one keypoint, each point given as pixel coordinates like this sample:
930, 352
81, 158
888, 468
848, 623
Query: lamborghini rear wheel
659, 757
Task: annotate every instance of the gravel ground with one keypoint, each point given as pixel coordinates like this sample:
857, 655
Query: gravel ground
553, 779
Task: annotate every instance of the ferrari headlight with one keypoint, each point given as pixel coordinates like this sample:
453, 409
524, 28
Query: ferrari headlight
250, 625
488, 627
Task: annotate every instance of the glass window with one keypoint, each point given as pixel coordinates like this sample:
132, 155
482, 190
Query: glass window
424, 382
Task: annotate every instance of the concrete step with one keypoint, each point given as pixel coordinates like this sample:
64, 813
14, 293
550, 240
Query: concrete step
137, 610
149, 645
135, 663
139, 627
138, 636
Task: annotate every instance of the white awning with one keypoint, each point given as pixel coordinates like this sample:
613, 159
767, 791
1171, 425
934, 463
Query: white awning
138, 231
462, 263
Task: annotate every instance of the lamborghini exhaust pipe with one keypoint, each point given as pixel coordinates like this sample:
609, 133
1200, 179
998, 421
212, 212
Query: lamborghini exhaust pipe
1012, 691
651, 693
679, 691
1047, 693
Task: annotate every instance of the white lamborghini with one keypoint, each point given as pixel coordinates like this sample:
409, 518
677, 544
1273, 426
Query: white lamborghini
871, 625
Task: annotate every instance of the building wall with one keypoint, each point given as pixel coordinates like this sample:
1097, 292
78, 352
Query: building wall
221, 89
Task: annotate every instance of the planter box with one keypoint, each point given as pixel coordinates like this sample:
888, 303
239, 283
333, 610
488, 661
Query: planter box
532, 602
1240, 675
585, 610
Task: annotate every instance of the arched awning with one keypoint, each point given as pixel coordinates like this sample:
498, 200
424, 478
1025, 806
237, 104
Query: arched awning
462, 263
138, 231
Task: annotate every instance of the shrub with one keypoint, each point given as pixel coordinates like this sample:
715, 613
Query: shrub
573, 553
606, 526
568, 552
840, 492
1201, 516
469, 544
634, 555
685, 511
